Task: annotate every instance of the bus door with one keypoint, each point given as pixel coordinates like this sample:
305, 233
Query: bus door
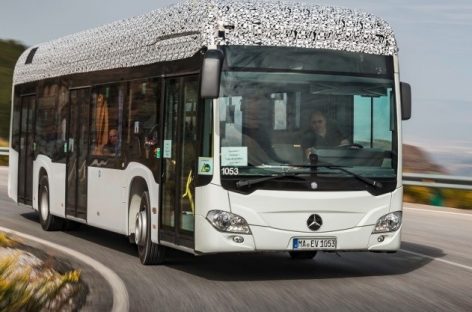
78, 127
25, 165
179, 154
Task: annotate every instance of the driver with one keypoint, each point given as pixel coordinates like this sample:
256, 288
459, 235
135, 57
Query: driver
322, 134
256, 129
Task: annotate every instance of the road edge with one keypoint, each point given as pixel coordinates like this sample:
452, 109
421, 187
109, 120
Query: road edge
120, 293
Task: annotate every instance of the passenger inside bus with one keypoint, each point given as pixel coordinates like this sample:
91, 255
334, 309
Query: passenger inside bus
322, 134
110, 147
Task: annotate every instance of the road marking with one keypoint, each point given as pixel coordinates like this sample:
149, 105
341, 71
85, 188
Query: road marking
438, 259
436, 211
120, 294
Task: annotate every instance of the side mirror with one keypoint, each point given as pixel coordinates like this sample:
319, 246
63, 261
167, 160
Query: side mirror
211, 74
405, 90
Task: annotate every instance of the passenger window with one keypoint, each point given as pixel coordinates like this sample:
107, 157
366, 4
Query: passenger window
61, 118
107, 111
15, 138
46, 134
142, 118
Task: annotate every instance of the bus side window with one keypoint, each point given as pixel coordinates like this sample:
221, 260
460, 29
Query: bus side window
61, 119
142, 118
15, 137
46, 134
107, 111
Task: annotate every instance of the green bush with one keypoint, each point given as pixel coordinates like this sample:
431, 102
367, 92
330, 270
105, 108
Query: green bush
438, 197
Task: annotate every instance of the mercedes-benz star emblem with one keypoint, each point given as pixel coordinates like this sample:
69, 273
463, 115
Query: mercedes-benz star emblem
314, 222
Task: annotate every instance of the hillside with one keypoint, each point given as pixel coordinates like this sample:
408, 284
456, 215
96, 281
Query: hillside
417, 160
9, 52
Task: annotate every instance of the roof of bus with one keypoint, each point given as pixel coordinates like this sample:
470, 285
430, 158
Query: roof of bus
181, 30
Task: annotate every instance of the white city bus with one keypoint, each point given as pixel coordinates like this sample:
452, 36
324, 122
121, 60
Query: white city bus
217, 126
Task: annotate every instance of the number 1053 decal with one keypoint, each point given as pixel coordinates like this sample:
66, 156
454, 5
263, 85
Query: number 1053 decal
229, 171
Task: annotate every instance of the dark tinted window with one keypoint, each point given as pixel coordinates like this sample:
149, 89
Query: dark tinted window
142, 117
16, 123
107, 112
46, 134
61, 119
300, 59
207, 124
29, 58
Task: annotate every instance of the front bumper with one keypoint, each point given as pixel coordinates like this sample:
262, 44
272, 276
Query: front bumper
210, 240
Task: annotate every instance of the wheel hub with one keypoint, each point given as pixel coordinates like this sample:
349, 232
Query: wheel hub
44, 205
141, 226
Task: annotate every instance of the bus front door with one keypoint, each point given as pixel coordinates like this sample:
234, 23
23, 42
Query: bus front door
77, 147
25, 165
179, 150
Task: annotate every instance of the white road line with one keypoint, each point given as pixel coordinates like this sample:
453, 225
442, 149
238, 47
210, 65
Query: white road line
120, 294
437, 211
469, 268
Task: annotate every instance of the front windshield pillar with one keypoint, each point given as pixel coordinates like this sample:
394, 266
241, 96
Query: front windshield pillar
216, 142
399, 136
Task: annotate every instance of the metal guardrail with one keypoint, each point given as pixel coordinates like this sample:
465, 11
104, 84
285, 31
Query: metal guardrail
437, 181
416, 179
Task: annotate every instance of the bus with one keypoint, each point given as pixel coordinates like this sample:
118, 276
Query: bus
217, 126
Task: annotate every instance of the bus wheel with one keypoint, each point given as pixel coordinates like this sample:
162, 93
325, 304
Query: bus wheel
47, 220
149, 252
300, 255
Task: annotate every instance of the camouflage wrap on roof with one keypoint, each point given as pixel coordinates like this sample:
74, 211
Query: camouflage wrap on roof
181, 30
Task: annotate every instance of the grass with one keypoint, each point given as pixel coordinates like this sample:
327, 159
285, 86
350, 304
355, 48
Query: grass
24, 287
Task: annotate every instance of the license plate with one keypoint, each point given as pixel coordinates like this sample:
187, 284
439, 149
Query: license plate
314, 243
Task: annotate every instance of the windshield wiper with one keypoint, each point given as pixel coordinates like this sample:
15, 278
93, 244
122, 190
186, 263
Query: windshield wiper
366, 180
249, 182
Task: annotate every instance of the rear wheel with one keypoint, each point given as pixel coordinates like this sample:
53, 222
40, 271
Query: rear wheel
47, 220
302, 255
149, 252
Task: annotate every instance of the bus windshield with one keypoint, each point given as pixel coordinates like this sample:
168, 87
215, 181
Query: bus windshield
278, 106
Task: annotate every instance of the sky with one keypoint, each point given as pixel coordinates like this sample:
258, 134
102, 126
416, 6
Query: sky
434, 36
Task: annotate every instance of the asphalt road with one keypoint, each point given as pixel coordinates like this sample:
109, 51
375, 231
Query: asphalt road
433, 272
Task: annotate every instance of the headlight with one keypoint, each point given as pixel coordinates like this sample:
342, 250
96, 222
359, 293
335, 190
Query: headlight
228, 222
388, 223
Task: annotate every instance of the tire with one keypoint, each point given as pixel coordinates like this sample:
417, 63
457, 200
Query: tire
149, 252
47, 220
302, 255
